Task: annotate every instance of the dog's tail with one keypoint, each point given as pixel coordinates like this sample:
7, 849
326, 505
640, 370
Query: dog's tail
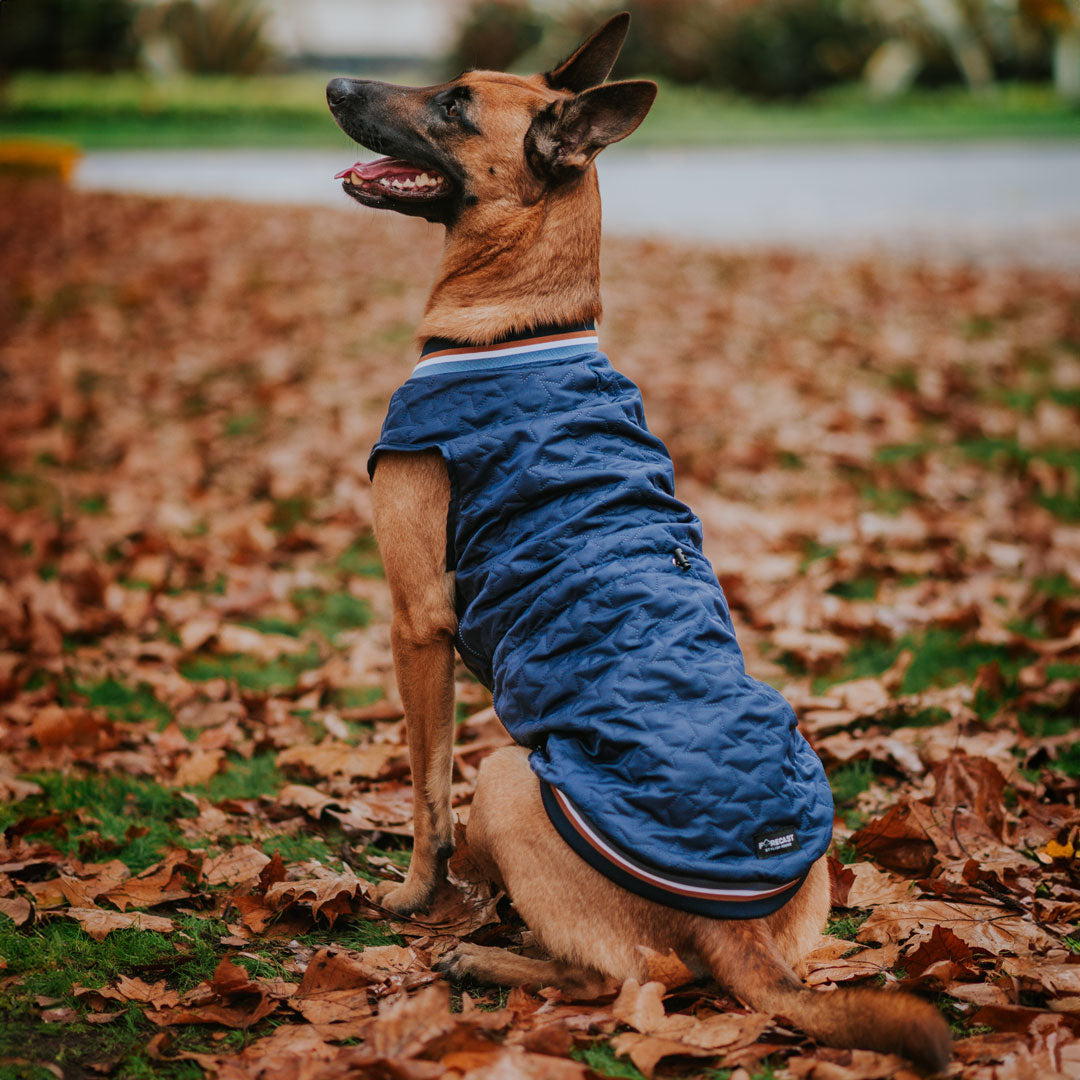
744, 957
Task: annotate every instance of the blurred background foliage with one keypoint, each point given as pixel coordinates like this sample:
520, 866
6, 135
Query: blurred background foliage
69, 35
216, 37
788, 48
206, 72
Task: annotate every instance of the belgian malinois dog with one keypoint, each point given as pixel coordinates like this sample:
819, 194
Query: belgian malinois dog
658, 796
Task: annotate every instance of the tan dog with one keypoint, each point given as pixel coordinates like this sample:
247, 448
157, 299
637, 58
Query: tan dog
505, 163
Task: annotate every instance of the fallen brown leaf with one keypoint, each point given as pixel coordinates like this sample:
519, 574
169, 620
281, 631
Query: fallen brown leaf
99, 923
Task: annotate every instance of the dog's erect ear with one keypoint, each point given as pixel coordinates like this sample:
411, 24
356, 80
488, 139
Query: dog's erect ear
566, 135
591, 64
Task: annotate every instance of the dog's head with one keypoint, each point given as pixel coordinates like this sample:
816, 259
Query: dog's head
486, 138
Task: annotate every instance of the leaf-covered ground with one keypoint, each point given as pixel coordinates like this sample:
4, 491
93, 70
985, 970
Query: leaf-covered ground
202, 759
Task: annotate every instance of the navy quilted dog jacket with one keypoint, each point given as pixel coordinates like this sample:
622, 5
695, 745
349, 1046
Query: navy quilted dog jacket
586, 605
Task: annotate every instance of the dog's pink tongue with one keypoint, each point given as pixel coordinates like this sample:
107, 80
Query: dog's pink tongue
380, 167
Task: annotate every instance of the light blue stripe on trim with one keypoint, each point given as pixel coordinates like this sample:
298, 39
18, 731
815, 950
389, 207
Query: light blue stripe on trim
508, 359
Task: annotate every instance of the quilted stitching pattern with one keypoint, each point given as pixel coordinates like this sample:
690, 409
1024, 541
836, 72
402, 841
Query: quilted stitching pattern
617, 668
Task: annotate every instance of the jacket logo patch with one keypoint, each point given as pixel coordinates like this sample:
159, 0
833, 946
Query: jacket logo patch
770, 842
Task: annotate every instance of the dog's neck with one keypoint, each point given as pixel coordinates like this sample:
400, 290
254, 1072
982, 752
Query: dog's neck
540, 267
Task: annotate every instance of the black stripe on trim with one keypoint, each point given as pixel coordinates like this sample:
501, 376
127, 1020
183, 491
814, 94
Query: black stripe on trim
437, 344
713, 909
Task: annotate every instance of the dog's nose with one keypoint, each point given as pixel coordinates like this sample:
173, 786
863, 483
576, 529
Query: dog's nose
337, 90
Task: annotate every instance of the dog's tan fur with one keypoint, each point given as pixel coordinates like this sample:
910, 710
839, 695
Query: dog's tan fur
484, 287
525, 254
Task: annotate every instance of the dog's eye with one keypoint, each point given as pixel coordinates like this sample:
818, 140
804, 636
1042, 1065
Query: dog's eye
451, 110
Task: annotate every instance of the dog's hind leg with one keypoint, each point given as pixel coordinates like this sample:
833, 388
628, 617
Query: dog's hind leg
504, 968
411, 496
587, 923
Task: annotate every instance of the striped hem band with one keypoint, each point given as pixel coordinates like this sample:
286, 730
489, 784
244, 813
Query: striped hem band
536, 348
732, 900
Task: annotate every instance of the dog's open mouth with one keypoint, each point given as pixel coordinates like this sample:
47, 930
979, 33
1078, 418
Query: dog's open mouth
391, 179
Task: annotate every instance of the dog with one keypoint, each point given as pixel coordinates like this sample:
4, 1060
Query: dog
658, 796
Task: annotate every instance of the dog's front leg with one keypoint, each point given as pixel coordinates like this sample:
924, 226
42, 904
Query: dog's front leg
411, 499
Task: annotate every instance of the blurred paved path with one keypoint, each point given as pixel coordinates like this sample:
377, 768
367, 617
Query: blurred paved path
984, 201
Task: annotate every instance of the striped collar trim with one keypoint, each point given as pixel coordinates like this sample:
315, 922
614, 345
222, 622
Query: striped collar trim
537, 346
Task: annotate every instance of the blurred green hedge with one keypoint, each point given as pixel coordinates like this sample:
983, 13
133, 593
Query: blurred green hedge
66, 35
762, 48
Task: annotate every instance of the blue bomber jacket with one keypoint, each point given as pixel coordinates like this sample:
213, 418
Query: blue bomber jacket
587, 607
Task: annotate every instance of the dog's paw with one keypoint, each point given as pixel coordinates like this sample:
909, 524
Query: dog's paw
459, 963
403, 898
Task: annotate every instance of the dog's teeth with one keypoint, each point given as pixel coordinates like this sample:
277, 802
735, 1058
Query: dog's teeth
408, 183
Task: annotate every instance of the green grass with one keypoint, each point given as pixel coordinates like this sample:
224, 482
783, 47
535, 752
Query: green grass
848, 782
137, 816
304, 847
862, 588
1068, 760
289, 110
120, 701
351, 934
331, 612
246, 778
601, 1058
1057, 586
846, 926
940, 658
249, 672
51, 957
998, 454
324, 612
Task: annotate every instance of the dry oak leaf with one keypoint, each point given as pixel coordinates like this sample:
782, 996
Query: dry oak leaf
17, 909
1056, 979
815, 650
133, 989
513, 1063
900, 838
99, 923
236, 866
829, 962
660, 1035
828, 1063
98, 879
232, 638
198, 768
407, 1026
456, 910
158, 884
255, 913
55, 726
668, 970
329, 892
863, 885
333, 758
230, 998
979, 926
13, 790
291, 1052
335, 985
390, 809
197, 631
